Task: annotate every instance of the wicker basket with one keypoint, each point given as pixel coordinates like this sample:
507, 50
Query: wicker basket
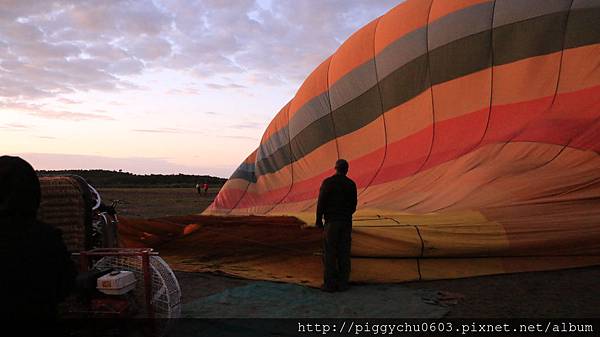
66, 204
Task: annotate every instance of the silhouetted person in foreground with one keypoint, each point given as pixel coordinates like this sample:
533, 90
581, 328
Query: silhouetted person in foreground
37, 271
337, 203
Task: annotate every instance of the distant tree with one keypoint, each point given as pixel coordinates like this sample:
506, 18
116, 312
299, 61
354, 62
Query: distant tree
105, 178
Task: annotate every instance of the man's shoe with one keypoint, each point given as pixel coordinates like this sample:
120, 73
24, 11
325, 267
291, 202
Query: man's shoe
343, 287
327, 289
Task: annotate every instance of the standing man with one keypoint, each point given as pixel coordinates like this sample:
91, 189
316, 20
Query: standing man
337, 203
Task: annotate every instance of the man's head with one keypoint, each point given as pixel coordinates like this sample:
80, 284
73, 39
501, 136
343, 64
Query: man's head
19, 188
341, 167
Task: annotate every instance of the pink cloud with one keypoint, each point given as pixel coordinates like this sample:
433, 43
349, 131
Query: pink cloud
39, 110
139, 165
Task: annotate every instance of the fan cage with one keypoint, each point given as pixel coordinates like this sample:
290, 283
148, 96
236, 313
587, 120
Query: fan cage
166, 293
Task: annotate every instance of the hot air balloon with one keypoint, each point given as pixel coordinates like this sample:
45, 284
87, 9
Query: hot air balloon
472, 129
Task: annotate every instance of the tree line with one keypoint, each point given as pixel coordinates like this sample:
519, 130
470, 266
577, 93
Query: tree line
106, 178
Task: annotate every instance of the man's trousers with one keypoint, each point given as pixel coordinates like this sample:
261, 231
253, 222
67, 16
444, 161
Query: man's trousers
337, 239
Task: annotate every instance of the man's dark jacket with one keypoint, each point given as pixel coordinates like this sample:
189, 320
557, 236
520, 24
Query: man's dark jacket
337, 199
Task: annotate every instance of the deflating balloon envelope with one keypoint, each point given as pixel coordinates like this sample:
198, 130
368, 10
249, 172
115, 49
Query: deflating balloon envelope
471, 128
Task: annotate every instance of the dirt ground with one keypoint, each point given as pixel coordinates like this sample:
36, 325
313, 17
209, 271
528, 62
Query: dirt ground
571, 293
568, 293
158, 202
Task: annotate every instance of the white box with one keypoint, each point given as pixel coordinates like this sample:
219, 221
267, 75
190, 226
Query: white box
116, 282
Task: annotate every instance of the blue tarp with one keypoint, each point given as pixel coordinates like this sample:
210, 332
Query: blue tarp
280, 300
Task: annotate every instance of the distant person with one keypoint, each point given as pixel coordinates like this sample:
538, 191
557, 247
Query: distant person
205, 188
337, 203
37, 270
198, 188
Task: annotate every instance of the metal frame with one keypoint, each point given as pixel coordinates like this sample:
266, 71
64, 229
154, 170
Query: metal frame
85, 257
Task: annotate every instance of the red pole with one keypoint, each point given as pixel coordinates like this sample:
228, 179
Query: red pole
84, 262
147, 271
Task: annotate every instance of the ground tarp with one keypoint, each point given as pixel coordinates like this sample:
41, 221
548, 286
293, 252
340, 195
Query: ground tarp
278, 300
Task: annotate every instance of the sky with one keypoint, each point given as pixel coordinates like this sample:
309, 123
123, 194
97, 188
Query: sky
158, 86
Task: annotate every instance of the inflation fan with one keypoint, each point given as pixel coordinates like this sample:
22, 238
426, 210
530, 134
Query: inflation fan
154, 291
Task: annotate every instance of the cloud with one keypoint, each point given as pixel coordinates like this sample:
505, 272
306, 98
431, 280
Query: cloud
247, 125
165, 130
140, 165
72, 46
151, 48
39, 110
14, 127
237, 137
12, 9
225, 86
111, 17
184, 91
68, 115
68, 101
42, 50
57, 47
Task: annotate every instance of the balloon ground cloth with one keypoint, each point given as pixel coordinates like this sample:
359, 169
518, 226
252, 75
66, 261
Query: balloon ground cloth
279, 300
451, 245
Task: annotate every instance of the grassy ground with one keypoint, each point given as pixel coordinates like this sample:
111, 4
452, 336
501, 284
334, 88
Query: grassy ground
157, 202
